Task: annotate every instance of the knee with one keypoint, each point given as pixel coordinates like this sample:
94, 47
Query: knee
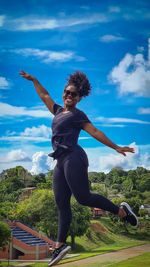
83, 200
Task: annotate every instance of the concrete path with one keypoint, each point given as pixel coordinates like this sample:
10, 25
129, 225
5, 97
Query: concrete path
111, 257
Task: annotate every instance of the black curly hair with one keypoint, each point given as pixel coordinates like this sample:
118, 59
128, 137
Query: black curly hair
81, 82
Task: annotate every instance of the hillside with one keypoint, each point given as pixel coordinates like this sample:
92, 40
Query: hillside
29, 198
103, 235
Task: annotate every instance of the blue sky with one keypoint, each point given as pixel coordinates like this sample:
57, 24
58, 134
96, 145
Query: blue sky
108, 40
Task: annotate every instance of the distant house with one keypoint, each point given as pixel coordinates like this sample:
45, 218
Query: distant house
145, 207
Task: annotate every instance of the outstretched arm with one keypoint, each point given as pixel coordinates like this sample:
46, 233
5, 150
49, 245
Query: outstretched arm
100, 136
42, 92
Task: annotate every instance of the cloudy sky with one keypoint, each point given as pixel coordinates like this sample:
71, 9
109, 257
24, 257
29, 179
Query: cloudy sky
108, 40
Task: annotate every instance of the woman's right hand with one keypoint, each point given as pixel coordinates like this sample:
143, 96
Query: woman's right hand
26, 75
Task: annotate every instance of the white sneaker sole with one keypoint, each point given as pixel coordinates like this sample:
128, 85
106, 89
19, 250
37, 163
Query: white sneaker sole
60, 256
129, 208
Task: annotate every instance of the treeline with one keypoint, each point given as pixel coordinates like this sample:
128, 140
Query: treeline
132, 185
30, 198
115, 184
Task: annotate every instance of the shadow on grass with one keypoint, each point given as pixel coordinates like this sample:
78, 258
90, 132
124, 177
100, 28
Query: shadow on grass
79, 248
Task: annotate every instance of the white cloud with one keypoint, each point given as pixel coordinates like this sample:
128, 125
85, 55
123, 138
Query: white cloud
109, 38
120, 120
149, 51
15, 155
32, 23
84, 137
144, 111
41, 163
140, 49
7, 110
40, 131
132, 75
28, 149
131, 161
24, 138
114, 9
48, 56
4, 83
113, 125
38, 134
101, 160
2, 18
85, 7
136, 14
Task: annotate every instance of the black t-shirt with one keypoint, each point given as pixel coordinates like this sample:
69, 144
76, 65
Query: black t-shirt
66, 126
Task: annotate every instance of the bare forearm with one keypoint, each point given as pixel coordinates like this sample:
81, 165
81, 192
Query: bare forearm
100, 136
42, 92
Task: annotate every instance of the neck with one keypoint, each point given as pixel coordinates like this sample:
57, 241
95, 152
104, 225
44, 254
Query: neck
67, 108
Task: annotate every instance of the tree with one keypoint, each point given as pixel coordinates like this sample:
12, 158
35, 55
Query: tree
18, 172
96, 177
144, 183
5, 234
100, 188
38, 178
132, 176
80, 220
39, 211
127, 185
47, 182
7, 209
116, 175
141, 170
10, 189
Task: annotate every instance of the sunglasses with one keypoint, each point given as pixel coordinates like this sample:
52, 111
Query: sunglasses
68, 92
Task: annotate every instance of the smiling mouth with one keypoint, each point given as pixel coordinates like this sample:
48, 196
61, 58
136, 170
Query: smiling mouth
69, 99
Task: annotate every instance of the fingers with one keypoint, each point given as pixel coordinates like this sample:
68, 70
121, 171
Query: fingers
129, 149
26, 75
22, 73
123, 150
123, 153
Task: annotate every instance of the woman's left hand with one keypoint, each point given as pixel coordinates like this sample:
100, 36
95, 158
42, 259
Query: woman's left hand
124, 149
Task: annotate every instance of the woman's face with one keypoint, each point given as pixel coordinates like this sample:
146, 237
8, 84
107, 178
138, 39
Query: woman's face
70, 96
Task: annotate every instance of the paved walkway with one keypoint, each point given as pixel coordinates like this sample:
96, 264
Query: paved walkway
111, 257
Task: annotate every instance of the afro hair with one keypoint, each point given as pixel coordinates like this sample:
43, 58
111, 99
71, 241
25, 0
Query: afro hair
81, 82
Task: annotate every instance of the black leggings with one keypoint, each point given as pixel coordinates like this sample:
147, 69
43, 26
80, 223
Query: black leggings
71, 177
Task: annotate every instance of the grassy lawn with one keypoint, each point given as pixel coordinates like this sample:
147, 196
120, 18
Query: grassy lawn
142, 260
11, 264
97, 241
139, 261
85, 255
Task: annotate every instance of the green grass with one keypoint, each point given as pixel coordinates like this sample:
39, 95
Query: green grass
11, 264
96, 243
139, 261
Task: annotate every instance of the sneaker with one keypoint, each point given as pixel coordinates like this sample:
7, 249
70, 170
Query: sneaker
131, 217
58, 254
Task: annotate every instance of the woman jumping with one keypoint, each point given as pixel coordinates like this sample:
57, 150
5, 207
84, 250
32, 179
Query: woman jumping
71, 171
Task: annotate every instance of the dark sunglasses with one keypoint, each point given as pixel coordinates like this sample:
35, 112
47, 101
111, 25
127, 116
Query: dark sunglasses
68, 92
